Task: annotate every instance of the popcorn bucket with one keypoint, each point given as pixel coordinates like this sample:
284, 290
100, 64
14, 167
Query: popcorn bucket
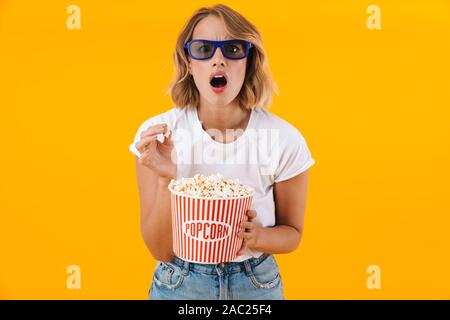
205, 230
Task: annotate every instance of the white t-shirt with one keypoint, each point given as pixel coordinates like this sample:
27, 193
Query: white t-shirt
270, 150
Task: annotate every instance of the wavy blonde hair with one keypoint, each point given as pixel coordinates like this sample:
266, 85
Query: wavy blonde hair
258, 84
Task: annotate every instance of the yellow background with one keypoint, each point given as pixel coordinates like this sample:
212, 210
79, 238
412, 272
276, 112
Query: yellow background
373, 106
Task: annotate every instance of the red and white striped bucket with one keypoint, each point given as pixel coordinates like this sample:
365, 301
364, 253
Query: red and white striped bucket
205, 230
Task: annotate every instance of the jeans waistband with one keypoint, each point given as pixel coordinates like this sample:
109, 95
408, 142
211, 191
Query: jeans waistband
228, 267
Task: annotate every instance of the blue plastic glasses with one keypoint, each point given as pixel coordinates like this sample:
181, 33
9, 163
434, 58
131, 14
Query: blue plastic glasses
205, 49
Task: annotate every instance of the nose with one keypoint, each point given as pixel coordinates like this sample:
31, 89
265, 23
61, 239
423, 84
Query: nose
218, 59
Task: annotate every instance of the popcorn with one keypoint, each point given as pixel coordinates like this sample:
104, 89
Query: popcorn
213, 186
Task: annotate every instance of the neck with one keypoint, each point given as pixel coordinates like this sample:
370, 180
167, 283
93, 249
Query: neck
222, 117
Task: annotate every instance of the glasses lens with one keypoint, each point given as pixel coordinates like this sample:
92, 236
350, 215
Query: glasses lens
201, 49
235, 49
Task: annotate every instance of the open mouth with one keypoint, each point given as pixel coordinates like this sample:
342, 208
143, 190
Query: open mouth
218, 81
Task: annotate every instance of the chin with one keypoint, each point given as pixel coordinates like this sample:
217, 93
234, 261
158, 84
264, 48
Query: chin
222, 100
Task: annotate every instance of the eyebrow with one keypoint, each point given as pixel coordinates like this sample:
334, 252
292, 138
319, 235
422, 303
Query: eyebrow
205, 38
213, 40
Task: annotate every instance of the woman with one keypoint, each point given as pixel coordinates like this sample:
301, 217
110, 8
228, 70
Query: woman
221, 89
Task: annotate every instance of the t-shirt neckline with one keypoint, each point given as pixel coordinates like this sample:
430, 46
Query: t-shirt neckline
236, 141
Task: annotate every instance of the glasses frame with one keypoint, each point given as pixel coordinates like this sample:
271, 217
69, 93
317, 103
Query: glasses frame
218, 44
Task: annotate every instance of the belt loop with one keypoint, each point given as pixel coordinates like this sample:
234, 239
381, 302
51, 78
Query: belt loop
248, 268
186, 267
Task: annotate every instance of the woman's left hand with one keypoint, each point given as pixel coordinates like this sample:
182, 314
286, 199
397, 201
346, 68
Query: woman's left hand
250, 232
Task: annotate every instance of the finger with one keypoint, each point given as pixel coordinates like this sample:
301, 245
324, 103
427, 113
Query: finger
247, 225
243, 247
155, 129
245, 235
251, 213
146, 158
143, 143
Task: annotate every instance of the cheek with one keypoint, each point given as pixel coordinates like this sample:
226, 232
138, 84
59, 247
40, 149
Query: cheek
239, 74
200, 73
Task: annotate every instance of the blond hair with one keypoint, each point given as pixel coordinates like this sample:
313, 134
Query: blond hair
258, 84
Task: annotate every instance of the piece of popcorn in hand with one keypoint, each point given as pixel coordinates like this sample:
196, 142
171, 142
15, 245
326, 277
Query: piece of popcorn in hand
168, 133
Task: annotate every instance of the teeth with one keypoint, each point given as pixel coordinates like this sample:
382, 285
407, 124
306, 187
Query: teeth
219, 76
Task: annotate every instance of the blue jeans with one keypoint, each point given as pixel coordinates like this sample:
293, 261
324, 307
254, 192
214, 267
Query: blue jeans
252, 279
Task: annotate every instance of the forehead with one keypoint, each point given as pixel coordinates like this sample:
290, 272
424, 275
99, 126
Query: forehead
210, 28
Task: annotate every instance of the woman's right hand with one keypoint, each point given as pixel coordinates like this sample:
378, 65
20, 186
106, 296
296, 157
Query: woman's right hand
157, 155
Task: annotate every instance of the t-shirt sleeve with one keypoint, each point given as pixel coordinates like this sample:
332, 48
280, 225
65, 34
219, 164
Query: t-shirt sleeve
294, 159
